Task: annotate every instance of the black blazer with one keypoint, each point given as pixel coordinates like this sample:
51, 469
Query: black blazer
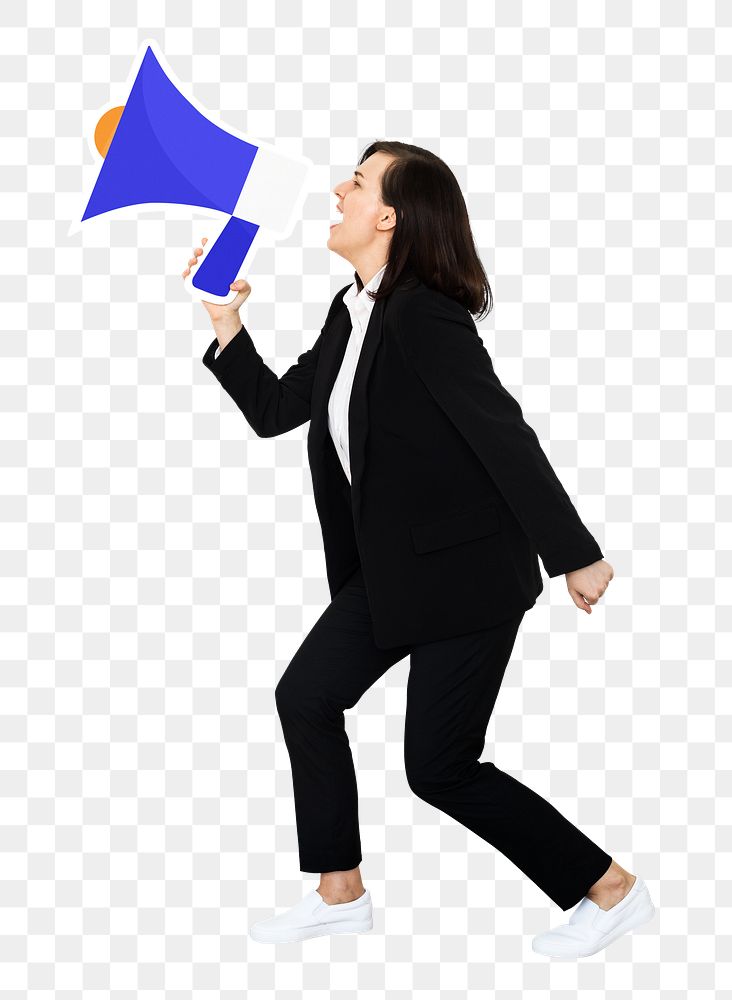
452, 496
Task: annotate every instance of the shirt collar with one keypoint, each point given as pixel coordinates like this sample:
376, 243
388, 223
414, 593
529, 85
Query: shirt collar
353, 296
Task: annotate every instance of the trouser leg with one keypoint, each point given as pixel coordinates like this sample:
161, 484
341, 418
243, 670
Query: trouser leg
451, 691
335, 664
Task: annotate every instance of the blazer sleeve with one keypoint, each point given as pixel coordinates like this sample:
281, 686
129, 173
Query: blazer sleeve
440, 343
271, 405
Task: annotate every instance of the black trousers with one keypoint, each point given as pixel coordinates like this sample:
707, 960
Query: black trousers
451, 691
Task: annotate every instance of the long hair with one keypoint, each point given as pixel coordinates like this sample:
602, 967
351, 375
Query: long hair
432, 239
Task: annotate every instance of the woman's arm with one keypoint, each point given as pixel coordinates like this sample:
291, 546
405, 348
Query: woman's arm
440, 342
270, 404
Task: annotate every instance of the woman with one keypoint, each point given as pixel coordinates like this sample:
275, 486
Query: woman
435, 499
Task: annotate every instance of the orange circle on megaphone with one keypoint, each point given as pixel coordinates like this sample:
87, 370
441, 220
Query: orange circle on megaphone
106, 127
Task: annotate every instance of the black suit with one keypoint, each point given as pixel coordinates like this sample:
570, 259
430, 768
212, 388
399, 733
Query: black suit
452, 496
432, 553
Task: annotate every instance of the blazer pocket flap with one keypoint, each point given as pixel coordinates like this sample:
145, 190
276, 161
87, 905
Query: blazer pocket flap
454, 529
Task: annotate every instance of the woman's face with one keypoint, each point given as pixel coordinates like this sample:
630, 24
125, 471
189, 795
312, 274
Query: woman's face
366, 223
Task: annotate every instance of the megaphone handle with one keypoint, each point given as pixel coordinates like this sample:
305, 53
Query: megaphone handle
223, 261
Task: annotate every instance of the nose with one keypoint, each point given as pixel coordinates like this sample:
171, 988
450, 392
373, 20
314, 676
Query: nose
340, 189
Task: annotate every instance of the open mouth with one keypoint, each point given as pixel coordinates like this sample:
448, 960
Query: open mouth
338, 211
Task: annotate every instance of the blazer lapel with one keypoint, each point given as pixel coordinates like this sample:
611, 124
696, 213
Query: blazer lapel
358, 417
332, 351
331, 358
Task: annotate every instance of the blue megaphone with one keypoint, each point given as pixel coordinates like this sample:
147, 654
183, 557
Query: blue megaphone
159, 149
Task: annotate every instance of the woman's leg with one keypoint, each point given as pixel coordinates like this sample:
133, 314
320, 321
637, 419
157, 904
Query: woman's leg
452, 688
335, 664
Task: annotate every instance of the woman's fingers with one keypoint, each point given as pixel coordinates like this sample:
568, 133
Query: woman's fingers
191, 263
580, 601
197, 251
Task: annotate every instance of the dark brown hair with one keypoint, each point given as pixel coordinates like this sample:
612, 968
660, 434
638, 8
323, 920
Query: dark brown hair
432, 239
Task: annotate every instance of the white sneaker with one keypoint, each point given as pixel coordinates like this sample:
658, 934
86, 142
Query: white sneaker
590, 928
313, 917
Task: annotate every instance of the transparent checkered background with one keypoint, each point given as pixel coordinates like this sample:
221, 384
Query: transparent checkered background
161, 564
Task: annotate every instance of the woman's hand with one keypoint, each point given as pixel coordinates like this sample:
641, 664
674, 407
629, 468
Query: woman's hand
222, 315
587, 585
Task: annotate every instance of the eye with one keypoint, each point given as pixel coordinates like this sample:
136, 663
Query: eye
356, 183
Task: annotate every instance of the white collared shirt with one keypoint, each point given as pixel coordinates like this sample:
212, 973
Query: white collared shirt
359, 306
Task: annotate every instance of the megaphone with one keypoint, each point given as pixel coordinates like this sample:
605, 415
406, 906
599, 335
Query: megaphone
160, 149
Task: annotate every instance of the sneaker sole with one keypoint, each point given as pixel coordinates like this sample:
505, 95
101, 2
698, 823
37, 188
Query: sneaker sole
342, 927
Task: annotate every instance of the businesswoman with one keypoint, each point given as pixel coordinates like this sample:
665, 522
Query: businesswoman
435, 500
